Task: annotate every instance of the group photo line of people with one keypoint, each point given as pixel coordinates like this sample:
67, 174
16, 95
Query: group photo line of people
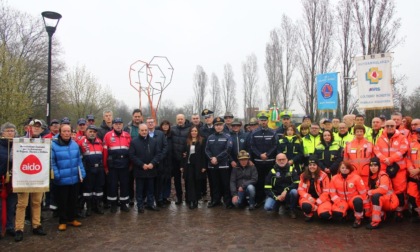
333, 170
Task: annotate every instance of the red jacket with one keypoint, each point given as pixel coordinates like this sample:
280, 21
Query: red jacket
383, 185
116, 150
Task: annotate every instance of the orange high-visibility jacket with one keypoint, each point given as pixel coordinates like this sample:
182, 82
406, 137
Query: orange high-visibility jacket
358, 153
346, 188
394, 149
322, 188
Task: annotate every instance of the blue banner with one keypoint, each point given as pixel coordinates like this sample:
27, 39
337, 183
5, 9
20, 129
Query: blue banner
327, 91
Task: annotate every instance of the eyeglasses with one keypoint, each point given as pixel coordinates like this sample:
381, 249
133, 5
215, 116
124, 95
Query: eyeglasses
82, 124
207, 116
150, 122
389, 126
226, 117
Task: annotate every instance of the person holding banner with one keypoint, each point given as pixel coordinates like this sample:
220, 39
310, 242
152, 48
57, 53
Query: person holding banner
35, 128
8, 199
69, 171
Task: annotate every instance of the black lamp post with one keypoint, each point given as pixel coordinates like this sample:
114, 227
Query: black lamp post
51, 20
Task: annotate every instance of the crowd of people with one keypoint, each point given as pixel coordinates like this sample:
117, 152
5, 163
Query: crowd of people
327, 169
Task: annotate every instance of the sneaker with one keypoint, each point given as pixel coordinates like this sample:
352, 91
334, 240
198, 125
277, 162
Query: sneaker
357, 223
251, 207
38, 231
19, 236
293, 214
282, 210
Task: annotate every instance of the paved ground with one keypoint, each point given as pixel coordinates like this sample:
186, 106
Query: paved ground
177, 228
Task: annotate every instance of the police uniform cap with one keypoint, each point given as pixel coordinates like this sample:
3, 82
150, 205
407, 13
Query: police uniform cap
206, 113
243, 155
263, 116
236, 122
117, 120
92, 127
374, 161
218, 120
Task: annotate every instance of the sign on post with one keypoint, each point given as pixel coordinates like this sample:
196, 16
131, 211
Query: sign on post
31, 164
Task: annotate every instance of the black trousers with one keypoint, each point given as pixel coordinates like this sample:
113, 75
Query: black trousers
220, 184
176, 173
118, 177
262, 169
67, 202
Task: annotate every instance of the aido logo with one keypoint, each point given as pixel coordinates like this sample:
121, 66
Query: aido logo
31, 165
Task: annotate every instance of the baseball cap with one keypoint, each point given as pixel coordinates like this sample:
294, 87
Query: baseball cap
90, 117
81, 121
117, 120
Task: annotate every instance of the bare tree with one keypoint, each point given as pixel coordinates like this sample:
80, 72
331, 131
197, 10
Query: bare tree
273, 55
376, 25
84, 95
346, 44
24, 38
250, 77
288, 42
229, 89
200, 85
315, 55
215, 102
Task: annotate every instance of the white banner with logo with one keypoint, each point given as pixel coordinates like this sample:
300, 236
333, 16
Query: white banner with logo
374, 79
31, 165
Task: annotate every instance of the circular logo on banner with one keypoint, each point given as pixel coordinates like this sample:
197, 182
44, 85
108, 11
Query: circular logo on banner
327, 91
31, 165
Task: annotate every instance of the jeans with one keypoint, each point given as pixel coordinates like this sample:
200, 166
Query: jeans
250, 192
291, 199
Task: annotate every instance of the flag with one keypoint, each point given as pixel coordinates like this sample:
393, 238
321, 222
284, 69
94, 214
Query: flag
327, 91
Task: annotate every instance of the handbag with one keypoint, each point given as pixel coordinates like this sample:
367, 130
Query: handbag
392, 170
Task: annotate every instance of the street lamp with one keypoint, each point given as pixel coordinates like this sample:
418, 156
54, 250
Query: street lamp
51, 20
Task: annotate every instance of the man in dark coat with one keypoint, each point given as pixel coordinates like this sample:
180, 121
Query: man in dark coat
179, 143
145, 155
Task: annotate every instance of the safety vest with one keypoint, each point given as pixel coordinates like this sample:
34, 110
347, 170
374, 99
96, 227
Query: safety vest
343, 140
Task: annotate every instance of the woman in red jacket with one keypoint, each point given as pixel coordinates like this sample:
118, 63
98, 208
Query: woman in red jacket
314, 191
381, 195
347, 191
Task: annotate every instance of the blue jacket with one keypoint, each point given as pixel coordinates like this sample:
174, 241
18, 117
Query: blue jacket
219, 145
240, 142
263, 141
66, 162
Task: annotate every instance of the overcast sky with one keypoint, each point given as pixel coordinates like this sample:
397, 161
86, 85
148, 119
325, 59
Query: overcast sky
108, 36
